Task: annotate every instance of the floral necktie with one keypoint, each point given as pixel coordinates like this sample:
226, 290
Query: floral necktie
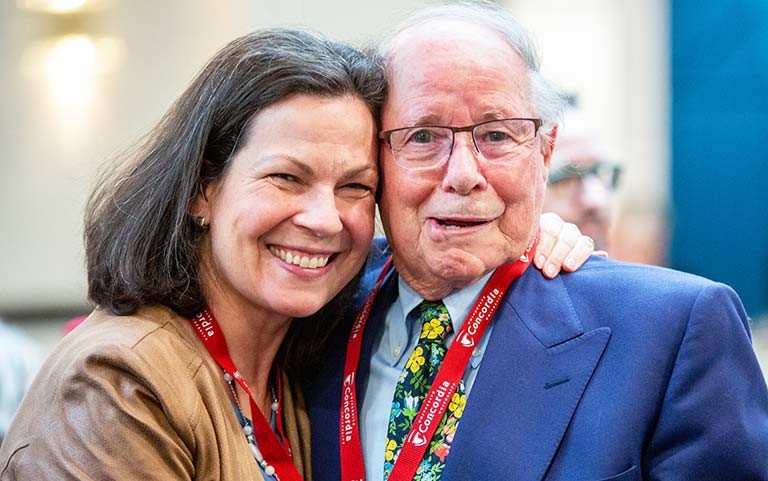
412, 388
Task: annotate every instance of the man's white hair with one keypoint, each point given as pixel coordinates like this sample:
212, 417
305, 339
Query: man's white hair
547, 100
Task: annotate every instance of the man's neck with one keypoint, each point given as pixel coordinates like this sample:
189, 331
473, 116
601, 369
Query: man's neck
458, 302
436, 289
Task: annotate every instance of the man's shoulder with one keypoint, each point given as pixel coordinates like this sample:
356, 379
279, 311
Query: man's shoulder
600, 271
616, 292
377, 257
622, 290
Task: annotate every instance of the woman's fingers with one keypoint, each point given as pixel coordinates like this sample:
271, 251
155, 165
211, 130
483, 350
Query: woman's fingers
561, 246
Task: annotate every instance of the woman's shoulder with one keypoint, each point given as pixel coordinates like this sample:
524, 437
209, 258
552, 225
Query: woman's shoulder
150, 332
127, 380
153, 346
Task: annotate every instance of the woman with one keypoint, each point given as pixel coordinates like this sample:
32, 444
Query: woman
253, 200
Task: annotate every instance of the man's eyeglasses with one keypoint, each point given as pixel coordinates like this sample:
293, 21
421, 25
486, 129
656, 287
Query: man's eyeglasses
502, 141
607, 172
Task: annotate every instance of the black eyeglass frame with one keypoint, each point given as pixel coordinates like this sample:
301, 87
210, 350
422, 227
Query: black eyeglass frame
386, 135
597, 168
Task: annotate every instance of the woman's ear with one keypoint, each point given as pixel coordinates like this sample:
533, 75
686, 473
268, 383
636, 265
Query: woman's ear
200, 210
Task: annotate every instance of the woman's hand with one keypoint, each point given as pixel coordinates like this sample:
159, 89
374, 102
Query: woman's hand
561, 246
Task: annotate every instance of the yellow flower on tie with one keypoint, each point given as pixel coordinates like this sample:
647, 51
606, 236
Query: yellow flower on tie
390, 450
432, 329
416, 360
457, 404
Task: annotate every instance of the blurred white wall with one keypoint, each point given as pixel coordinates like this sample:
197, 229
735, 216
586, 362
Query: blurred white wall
614, 55
66, 107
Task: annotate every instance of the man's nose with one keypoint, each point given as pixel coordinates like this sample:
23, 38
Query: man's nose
319, 214
594, 193
463, 173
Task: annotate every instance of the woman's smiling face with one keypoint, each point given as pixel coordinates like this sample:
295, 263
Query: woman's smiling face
292, 219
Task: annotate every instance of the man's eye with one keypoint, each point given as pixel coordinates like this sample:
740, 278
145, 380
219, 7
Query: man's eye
497, 136
422, 136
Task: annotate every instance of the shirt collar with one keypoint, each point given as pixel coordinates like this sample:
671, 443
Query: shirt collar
458, 303
401, 330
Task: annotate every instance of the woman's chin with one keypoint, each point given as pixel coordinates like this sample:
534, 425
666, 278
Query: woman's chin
302, 309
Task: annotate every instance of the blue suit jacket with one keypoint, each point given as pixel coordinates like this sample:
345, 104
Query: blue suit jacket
614, 372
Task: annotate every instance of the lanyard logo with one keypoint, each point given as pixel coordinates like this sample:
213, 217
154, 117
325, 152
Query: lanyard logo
348, 411
466, 340
417, 438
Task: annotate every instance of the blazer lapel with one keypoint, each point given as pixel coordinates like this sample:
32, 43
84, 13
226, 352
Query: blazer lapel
534, 371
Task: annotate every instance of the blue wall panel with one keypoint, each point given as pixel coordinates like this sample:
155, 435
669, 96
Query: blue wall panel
720, 144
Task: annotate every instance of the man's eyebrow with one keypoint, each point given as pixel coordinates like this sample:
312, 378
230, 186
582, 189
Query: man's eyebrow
495, 114
432, 119
425, 119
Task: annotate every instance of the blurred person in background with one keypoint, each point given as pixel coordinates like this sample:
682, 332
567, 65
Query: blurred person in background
582, 181
19, 361
249, 205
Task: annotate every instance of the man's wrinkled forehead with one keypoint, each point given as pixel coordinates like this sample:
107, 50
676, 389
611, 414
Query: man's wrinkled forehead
439, 35
434, 68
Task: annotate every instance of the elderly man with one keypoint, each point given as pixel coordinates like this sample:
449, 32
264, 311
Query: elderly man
463, 364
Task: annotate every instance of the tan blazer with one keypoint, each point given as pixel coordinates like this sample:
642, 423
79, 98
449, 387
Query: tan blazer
138, 397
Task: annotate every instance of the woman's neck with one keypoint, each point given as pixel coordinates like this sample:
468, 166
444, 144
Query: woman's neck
253, 334
253, 339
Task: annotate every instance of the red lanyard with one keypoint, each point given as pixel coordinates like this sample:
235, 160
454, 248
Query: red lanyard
274, 452
443, 387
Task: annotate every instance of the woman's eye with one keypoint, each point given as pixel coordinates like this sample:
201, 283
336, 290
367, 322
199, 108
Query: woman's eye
358, 186
285, 177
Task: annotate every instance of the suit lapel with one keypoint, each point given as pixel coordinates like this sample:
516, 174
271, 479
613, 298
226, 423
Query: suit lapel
534, 371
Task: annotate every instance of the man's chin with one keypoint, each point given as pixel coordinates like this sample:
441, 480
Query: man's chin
461, 268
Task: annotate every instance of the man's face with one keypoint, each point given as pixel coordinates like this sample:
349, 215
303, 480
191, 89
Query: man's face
450, 225
581, 185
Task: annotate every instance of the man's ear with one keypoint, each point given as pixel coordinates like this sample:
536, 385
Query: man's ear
547, 147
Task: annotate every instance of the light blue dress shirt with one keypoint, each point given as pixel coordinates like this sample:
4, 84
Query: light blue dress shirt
391, 351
